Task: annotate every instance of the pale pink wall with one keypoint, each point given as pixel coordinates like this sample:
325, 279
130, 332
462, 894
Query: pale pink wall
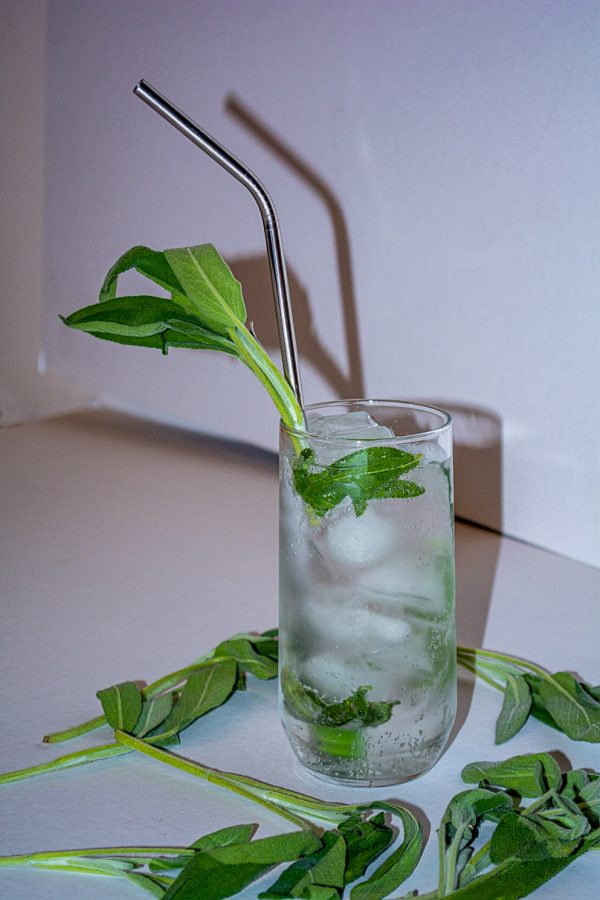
440, 181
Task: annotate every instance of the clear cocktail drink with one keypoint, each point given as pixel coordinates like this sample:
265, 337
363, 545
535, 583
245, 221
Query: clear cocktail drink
367, 618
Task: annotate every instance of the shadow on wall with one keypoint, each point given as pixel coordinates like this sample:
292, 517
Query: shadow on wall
253, 273
477, 436
256, 280
477, 431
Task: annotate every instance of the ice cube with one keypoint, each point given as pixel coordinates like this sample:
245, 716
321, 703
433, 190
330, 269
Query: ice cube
350, 541
430, 451
354, 624
350, 426
330, 675
354, 425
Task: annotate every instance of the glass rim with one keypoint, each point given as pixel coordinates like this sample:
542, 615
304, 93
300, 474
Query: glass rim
402, 404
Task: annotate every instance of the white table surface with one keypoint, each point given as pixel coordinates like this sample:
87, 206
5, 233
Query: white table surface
129, 549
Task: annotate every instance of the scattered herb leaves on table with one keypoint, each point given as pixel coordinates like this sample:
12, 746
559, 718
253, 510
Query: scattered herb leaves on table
522, 824
559, 700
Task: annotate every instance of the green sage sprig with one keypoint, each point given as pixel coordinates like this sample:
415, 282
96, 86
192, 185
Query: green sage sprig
529, 842
205, 310
523, 823
162, 710
222, 863
560, 700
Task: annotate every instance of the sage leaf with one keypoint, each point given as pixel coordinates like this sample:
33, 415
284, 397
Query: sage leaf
147, 321
574, 781
136, 316
324, 868
458, 829
515, 708
318, 892
122, 705
154, 711
517, 880
538, 709
365, 841
232, 834
531, 775
209, 285
204, 690
589, 801
355, 709
561, 819
523, 838
559, 700
372, 472
241, 649
224, 871
400, 864
401, 489
151, 263
574, 709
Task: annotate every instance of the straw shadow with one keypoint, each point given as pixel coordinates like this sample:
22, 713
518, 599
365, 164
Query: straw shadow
350, 384
253, 273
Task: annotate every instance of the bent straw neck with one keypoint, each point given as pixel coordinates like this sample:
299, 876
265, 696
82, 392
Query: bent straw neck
279, 280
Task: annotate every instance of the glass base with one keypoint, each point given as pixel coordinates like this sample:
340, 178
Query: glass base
360, 783
363, 771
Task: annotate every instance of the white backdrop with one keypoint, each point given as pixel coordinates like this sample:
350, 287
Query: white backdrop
435, 168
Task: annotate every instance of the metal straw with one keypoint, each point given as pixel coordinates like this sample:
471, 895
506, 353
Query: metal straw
279, 281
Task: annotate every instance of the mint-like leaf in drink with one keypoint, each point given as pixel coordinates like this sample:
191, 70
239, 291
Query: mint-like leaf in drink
367, 474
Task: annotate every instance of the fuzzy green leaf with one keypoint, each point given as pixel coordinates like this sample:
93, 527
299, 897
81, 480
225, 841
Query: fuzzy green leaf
523, 838
122, 705
324, 868
515, 881
136, 316
232, 834
354, 709
458, 828
204, 690
400, 864
151, 263
365, 841
515, 708
222, 872
530, 775
209, 285
588, 801
154, 711
147, 321
373, 472
223, 837
241, 649
571, 706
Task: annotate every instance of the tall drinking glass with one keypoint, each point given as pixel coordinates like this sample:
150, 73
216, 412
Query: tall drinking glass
367, 618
